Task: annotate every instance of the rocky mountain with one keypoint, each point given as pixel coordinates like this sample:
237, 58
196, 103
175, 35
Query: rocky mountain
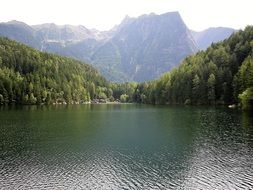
21, 32
211, 35
63, 33
138, 49
146, 47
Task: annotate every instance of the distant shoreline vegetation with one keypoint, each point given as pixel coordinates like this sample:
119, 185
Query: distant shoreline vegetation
221, 75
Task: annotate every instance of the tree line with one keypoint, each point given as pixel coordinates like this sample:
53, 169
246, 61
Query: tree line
28, 76
222, 74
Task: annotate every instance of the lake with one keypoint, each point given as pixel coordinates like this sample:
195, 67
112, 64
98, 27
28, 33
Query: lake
125, 146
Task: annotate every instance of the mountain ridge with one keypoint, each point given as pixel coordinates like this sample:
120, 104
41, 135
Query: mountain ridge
211, 35
138, 49
143, 41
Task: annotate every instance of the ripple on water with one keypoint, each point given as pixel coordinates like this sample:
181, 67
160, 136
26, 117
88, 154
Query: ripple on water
181, 148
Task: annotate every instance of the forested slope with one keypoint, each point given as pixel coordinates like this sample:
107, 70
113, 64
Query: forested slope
223, 74
220, 75
28, 76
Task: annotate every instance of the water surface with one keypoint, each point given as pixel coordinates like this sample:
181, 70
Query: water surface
125, 147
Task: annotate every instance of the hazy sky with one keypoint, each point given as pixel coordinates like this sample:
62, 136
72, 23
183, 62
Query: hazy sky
104, 14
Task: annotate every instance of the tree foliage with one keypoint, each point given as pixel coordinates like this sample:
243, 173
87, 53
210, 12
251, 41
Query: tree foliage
247, 99
28, 76
223, 74
215, 76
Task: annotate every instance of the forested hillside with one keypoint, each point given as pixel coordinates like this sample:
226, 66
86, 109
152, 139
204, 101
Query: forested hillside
28, 76
223, 74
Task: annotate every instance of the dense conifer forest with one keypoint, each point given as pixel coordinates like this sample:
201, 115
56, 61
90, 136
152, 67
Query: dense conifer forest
28, 76
223, 74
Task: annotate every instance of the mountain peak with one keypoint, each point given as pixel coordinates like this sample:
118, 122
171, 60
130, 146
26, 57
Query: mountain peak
127, 17
174, 13
15, 22
145, 47
44, 25
213, 34
138, 49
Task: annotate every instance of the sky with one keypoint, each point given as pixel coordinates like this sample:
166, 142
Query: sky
104, 14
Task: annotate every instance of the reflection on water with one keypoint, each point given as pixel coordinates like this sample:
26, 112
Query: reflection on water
125, 147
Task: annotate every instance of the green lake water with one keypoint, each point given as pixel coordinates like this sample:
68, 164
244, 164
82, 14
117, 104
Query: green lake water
125, 147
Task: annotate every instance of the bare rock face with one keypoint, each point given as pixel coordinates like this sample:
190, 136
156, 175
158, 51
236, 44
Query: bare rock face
211, 35
144, 48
